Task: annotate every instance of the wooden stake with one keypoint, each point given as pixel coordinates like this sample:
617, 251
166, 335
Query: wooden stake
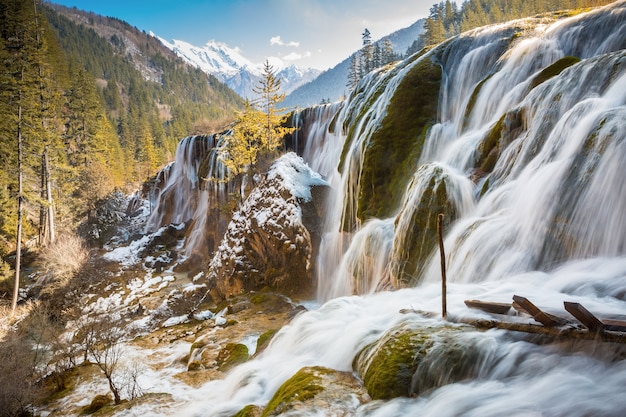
444, 309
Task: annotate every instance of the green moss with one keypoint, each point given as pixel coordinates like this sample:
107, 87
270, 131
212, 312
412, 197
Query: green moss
96, 404
232, 355
409, 361
393, 362
249, 410
264, 340
473, 97
416, 235
303, 386
397, 144
488, 149
553, 70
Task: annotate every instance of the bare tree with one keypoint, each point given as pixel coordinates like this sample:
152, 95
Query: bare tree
107, 351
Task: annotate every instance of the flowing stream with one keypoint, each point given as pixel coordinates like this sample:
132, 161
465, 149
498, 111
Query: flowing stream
547, 221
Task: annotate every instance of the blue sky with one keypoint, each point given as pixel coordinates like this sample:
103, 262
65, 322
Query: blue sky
309, 33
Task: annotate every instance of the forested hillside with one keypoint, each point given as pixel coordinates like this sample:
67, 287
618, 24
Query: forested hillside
103, 101
446, 19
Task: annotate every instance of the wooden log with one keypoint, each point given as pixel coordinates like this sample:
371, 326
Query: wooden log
554, 332
542, 317
489, 306
584, 316
615, 325
442, 256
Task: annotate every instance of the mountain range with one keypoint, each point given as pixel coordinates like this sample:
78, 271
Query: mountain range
304, 86
236, 71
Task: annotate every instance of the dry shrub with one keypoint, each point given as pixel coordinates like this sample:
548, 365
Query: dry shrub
61, 261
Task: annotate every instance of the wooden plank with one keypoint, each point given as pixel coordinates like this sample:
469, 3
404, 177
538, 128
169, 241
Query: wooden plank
542, 317
584, 316
615, 325
489, 306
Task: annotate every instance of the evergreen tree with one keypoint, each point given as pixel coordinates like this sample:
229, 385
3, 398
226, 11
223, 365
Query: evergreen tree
269, 94
256, 132
366, 53
354, 72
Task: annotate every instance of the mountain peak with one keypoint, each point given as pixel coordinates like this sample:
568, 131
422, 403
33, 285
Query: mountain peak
228, 65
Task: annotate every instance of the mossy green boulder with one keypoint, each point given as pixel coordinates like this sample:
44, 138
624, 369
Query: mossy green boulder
409, 360
231, 355
318, 388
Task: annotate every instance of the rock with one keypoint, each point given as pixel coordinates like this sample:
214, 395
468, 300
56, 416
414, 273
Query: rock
316, 388
232, 355
416, 224
267, 243
250, 410
98, 402
408, 360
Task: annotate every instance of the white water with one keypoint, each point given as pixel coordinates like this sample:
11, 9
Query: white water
185, 198
551, 226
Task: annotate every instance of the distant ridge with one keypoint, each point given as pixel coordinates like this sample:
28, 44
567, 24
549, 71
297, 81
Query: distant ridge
331, 84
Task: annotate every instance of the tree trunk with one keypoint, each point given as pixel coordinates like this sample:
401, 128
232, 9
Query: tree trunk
18, 246
51, 232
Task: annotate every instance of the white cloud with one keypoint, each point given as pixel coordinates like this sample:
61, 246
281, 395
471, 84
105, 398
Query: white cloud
276, 40
294, 56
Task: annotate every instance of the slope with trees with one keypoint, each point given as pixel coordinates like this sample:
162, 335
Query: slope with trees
447, 19
81, 116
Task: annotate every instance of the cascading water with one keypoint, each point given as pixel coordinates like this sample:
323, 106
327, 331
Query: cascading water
528, 162
182, 196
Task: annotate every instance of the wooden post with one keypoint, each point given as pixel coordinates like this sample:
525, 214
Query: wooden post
444, 307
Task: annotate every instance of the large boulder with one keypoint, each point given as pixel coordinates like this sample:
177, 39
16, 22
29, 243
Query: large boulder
409, 360
267, 243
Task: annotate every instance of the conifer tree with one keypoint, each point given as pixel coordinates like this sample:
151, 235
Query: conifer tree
269, 94
354, 72
257, 132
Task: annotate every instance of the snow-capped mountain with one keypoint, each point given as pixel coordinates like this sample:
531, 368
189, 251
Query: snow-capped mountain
232, 68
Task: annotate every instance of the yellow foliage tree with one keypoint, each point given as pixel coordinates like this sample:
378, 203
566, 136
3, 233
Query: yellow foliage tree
240, 149
257, 131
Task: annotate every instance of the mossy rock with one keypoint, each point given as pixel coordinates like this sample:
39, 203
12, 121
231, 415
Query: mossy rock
98, 402
250, 410
405, 361
264, 340
232, 355
397, 144
416, 225
304, 385
553, 70
472, 101
316, 388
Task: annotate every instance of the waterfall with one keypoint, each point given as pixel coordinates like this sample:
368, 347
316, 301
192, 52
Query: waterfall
186, 191
525, 155
553, 164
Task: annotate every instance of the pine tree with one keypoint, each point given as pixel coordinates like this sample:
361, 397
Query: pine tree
269, 94
20, 108
366, 53
256, 132
354, 72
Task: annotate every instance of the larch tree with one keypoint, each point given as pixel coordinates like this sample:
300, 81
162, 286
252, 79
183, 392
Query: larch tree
270, 97
257, 130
